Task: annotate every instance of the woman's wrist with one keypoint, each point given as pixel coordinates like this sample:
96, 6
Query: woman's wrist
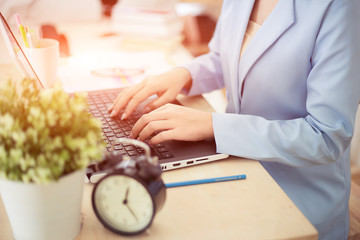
185, 77
188, 79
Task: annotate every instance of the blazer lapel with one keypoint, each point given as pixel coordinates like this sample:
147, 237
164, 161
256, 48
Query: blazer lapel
240, 18
282, 17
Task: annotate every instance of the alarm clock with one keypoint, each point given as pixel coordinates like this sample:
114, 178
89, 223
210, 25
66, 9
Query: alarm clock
127, 198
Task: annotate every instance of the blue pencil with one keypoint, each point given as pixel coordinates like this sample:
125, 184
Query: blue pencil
207, 180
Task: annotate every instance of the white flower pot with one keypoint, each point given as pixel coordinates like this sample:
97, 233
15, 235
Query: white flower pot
49, 211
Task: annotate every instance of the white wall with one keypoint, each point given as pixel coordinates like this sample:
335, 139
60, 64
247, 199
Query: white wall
51, 11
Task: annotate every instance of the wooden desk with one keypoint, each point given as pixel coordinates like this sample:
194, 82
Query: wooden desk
255, 208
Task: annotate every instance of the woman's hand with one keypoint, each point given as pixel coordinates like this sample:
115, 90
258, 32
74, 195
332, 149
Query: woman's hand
167, 86
174, 122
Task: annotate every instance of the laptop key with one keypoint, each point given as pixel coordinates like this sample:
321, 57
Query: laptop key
112, 139
112, 123
117, 130
122, 152
132, 153
129, 148
162, 149
140, 150
109, 134
120, 135
167, 155
126, 129
118, 147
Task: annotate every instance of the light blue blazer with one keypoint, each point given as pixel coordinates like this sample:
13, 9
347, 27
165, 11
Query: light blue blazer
292, 99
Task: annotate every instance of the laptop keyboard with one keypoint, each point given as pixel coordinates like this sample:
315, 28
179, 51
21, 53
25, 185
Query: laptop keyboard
114, 128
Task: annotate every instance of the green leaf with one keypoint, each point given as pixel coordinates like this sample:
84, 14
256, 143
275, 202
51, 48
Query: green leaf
45, 134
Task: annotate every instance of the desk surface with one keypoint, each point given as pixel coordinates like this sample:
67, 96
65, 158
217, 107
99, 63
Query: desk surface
255, 208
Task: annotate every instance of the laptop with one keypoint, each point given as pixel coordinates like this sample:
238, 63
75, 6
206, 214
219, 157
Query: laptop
171, 154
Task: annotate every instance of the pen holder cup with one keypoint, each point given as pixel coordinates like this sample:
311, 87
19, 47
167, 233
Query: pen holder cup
44, 59
44, 211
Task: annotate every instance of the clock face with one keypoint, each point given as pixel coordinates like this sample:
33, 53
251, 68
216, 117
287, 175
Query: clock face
124, 204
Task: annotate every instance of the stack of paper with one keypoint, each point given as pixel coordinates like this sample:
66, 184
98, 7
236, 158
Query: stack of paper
143, 22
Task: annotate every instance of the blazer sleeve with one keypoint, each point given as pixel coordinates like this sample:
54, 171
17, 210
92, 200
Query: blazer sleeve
206, 70
333, 86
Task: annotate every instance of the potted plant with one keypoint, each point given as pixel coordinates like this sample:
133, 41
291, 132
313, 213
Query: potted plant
47, 138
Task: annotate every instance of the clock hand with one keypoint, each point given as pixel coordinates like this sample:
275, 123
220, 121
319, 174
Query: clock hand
125, 202
126, 196
132, 212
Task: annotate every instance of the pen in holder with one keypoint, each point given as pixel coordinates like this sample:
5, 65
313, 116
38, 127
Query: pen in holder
44, 59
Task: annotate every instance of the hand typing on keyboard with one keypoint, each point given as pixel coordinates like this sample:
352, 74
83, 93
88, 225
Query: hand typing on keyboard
115, 128
166, 86
173, 122
167, 121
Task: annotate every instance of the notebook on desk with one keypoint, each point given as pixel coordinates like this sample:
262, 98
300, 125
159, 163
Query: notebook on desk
171, 154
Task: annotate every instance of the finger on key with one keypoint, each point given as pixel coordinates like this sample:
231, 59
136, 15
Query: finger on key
127, 91
163, 136
145, 120
167, 97
141, 96
114, 102
124, 98
119, 105
152, 128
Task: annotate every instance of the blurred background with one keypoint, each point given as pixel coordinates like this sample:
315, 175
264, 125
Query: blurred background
155, 23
